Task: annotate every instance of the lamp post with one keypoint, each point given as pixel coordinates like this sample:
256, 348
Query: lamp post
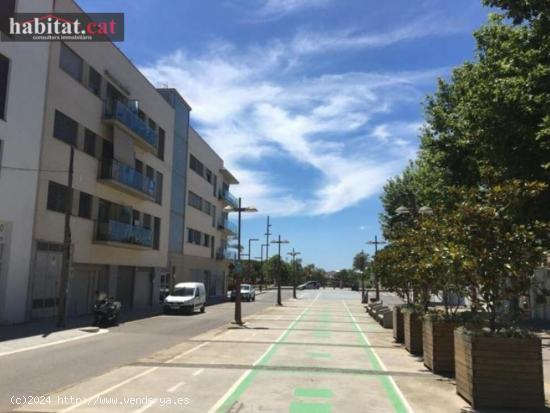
376, 243
293, 254
250, 240
240, 209
262, 265
279, 241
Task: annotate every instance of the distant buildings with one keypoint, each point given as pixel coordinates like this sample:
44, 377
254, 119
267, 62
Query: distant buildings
148, 192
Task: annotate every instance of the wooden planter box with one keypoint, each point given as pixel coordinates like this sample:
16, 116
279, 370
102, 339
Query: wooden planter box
493, 372
412, 329
398, 325
438, 346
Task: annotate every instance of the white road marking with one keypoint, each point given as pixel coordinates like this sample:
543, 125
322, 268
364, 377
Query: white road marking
392, 381
53, 343
199, 371
175, 387
146, 406
247, 372
128, 380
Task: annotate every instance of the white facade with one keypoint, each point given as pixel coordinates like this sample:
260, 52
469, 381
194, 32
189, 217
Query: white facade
20, 139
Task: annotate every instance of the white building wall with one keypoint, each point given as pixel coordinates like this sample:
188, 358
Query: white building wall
21, 136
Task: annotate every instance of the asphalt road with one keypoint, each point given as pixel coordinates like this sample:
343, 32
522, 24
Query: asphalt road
41, 371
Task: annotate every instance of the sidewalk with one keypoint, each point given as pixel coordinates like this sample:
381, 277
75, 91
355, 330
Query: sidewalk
318, 355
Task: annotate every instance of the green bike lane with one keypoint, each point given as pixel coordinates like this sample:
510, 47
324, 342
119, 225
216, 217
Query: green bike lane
334, 371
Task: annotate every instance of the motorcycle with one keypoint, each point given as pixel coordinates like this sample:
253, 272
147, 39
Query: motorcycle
106, 311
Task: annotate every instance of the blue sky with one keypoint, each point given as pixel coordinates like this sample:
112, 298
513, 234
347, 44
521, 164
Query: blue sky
313, 104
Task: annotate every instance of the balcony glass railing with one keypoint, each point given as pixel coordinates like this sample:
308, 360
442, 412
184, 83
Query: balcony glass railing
230, 198
228, 225
115, 109
128, 176
226, 254
115, 231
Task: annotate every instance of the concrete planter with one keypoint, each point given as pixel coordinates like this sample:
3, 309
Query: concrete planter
438, 345
398, 325
493, 372
412, 329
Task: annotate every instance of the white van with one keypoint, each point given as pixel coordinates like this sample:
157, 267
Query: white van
186, 297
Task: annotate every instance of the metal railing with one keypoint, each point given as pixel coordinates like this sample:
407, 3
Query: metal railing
115, 231
115, 109
229, 198
126, 175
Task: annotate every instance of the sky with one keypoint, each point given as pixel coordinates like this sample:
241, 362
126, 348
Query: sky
313, 104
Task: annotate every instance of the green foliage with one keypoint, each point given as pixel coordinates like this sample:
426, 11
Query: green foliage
484, 169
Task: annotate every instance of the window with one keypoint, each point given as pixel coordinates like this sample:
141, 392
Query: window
65, 128
139, 166
214, 216
89, 142
208, 175
70, 62
152, 124
196, 165
206, 207
194, 200
147, 221
158, 196
150, 172
156, 234
162, 139
215, 186
58, 197
4, 72
193, 237
136, 218
7, 10
108, 151
206, 241
103, 210
141, 115
85, 205
94, 81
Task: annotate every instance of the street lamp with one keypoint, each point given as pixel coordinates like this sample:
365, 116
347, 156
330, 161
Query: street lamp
250, 240
376, 243
293, 254
279, 241
240, 209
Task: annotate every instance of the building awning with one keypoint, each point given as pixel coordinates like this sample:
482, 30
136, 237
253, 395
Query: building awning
228, 176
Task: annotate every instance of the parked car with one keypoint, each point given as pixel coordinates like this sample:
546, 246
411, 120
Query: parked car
248, 293
310, 285
187, 297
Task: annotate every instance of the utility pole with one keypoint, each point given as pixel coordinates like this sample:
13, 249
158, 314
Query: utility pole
279, 241
293, 254
376, 243
267, 234
262, 266
249, 258
66, 261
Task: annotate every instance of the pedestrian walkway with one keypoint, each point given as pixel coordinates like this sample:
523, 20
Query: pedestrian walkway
319, 354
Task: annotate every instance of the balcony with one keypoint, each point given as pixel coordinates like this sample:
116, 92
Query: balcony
118, 113
228, 226
229, 198
224, 254
124, 235
127, 179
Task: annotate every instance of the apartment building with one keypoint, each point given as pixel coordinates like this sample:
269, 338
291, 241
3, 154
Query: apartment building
89, 97
206, 242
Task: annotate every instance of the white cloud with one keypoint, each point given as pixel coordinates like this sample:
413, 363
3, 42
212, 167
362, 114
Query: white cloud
254, 110
275, 9
309, 42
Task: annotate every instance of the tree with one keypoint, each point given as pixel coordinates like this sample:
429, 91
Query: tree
360, 263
